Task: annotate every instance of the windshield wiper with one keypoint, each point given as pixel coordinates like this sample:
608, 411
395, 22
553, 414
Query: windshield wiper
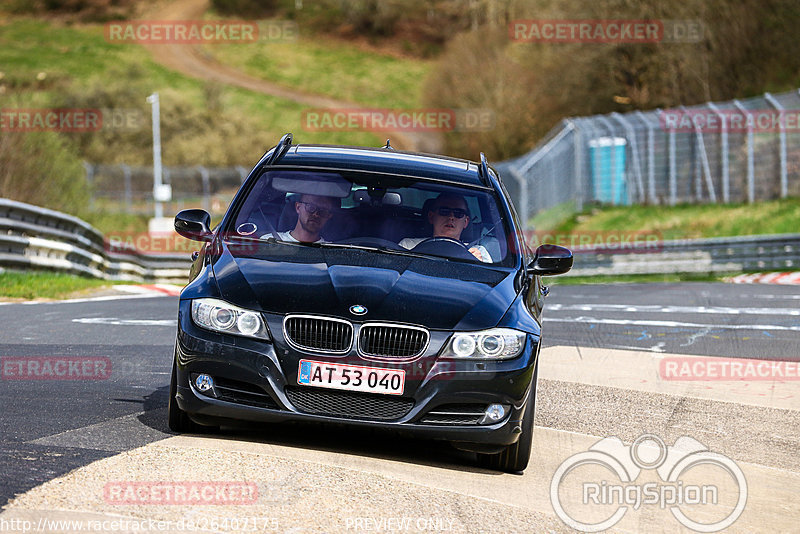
372, 248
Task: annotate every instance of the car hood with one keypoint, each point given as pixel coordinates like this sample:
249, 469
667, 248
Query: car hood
438, 294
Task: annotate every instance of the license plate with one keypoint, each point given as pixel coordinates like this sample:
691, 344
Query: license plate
351, 377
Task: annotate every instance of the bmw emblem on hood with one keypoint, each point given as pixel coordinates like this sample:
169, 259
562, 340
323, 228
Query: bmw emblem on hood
358, 309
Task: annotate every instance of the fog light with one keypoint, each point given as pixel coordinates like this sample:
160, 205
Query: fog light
204, 383
494, 413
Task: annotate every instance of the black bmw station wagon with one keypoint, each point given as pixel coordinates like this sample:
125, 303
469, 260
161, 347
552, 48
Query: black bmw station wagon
365, 286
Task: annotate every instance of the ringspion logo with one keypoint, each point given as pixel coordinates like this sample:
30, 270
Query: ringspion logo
593, 490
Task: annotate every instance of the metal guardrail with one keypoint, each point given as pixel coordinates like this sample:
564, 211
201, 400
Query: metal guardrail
34, 237
715, 255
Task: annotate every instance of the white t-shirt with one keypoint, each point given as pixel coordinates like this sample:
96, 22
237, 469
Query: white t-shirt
287, 236
411, 242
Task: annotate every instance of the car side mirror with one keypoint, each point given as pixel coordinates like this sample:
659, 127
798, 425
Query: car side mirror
550, 259
194, 225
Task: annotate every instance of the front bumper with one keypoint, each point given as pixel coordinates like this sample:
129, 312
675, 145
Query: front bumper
262, 377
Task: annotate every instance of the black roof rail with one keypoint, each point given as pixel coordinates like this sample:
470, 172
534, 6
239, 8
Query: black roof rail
282, 148
483, 170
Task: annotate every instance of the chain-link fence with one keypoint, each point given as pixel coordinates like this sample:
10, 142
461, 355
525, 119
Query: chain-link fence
129, 188
728, 152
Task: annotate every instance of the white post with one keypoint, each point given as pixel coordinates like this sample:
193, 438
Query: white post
751, 181
577, 147
782, 140
651, 158
723, 141
206, 187
153, 100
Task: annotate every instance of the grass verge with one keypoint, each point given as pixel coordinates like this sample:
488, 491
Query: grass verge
31, 285
322, 65
689, 221
48, 64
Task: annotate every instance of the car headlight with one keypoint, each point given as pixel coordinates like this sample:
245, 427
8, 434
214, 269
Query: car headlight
220, 316
493, 344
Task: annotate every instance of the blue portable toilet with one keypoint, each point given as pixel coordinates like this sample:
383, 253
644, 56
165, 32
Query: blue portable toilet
609, 182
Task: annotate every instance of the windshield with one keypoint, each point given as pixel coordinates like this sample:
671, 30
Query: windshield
390, 214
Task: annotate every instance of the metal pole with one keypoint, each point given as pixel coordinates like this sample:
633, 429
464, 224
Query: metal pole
523, 193
782, 140
701, 145
90, 180
651, 158
723, 141
592, 193
159, 208
242, 172
126, 172
577, 152
167, 179
751, 181
672, 170
538, 153
613, 138
206, 187
637, 169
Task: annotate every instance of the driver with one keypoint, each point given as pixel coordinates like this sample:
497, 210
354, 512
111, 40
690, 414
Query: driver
313, 213
449, 216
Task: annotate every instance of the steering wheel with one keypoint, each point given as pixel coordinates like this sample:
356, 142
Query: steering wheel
445, 246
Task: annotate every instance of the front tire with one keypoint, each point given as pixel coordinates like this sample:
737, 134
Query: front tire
514, 459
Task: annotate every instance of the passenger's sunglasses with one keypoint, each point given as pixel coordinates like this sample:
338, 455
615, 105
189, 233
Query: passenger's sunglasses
313, 209
458, 213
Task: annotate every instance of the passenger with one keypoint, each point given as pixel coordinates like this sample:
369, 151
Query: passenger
313, 213
449, 216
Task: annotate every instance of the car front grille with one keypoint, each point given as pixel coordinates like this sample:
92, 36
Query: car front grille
392, 341
348, 405
318, 333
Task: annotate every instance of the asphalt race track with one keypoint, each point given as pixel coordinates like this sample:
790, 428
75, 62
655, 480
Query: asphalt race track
601, 375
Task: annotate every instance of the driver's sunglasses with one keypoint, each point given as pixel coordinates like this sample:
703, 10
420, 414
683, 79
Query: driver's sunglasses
458, 213
313, 209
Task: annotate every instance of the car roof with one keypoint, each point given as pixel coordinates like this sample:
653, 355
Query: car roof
384, 160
